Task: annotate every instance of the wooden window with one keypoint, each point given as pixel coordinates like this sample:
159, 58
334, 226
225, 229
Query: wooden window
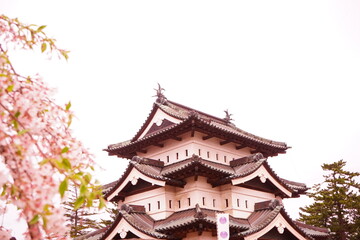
226, 202
203, 200
189, 201
170, 203
238, 202
208, 154
158, 202
149, 207
224, 158
186, 152
213, 202
179, 203
167, 158
199, 152
217, 156
246, 203
177, 155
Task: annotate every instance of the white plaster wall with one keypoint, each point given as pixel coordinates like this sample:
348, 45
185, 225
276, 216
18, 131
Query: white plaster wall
196, 190
210, 149
202, 193
243, 200
152, 197
203, 236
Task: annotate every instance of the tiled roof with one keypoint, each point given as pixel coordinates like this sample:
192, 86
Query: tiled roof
202, 121
170, 169
183, 112
190, 216
264, 214
93, 235
219, 173
137, 219
111, 187
313, 231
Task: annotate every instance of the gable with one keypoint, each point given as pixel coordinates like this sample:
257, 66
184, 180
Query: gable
156, 121
126, 230
133, 179
263, 174
282, 226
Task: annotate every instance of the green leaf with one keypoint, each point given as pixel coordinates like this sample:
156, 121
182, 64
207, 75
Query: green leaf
87, 177
44, 161
70, 120
10, 88
66, 163
16, 124
23, 132
83, 190
65, 150
17, 114
65, 54
41, 28
67, 107
43, 47
79, 202
4, 187
44, 221
35, 219
59, 164
63, 187
102, 203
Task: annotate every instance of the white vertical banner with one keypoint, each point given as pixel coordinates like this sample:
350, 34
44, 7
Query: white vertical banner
222, 225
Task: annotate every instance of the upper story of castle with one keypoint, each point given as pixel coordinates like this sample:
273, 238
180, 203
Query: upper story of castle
173, 132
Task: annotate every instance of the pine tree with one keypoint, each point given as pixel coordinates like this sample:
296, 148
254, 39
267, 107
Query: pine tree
112, 212
336, 203
80, 219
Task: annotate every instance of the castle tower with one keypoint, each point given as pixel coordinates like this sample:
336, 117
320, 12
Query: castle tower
185, 167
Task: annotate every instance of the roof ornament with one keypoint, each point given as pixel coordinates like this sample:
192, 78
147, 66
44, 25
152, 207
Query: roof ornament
160, 95
127, 208
199, 214
228, 118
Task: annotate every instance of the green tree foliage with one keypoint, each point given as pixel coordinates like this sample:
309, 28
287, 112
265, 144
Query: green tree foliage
336, 203
81, 220
112, 212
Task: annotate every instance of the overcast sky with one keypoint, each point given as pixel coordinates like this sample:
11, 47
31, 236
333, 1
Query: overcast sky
286, 70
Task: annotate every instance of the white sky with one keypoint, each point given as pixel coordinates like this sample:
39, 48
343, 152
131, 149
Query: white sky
286, 70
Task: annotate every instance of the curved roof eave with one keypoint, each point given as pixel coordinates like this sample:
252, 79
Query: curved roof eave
282, 182
123, 215
269, 221
194, 122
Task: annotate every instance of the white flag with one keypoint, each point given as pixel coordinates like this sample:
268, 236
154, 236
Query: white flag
222, 224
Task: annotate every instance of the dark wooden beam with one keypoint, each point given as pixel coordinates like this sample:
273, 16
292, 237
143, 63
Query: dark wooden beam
207, 137
176, 138
254, 151
161, 145
200, 229
142, 150
224, 142
240, 147
192, 133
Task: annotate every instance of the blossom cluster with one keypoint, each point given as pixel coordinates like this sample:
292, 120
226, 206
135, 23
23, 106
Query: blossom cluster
38, 154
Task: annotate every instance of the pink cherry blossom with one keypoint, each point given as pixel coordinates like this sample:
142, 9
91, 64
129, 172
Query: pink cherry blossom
37, 149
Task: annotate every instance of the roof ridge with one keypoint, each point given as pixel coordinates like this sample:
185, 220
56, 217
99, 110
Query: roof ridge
148, 161
247, 159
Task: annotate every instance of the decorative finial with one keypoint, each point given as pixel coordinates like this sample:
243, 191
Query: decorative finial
228, 118
159, 94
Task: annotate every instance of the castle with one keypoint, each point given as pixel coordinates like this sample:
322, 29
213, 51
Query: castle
187, 166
